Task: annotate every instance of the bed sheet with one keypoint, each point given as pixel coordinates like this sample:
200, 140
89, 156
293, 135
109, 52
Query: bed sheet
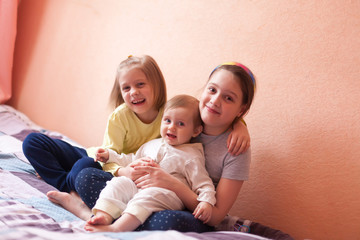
25, 211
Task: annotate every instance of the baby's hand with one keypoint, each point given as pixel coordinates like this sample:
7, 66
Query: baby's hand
144, 161
203, 211
101, 155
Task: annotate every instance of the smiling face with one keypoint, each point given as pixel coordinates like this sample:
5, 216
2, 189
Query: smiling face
138, 94
178, 127
221, 102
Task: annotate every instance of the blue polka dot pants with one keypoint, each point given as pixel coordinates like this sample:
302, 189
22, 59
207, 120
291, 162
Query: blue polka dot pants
90, 181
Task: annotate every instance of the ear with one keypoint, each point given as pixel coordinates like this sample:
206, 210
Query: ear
242, 109
197, 130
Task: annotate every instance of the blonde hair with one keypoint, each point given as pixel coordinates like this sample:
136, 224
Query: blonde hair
152, 72
188, 102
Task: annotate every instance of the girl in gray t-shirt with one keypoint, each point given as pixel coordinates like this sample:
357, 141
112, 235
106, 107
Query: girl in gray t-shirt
227, 97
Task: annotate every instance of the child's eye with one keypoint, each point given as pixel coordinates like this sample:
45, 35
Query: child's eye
167, 120
125, 89
228, 98
140, 85
211, 90
181, 124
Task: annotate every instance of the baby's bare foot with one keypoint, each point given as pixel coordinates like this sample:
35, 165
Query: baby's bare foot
99, 228
100, 218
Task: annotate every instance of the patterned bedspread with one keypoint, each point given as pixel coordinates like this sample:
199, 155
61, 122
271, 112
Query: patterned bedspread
25, 211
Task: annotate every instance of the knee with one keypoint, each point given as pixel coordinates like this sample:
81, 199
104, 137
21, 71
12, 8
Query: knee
123, 185
88, 184
30, 141
86, 162
91, 175
84, 177
86, 174
81, 164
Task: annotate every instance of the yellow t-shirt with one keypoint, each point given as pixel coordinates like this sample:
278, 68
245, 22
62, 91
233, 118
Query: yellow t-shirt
125, 133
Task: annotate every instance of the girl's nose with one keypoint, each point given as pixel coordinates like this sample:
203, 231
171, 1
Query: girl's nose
215, 99
134, 91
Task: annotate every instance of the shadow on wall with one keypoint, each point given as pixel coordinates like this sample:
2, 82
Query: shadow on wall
301, 183
29, 22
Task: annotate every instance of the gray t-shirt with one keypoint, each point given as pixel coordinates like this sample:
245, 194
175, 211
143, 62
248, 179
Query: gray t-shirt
219, 162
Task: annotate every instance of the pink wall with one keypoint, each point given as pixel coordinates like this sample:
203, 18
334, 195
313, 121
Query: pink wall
305, 119
8, 17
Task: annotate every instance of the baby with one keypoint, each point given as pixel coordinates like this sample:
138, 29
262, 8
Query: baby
173, 152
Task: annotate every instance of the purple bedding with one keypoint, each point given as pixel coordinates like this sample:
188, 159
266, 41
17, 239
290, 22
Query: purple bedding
26, 213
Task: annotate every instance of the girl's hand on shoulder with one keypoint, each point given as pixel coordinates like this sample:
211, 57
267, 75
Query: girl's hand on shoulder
101, 155
203, 212
237, 144
239, 139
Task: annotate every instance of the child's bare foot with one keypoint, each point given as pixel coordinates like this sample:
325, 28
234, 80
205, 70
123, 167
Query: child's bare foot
100, 218
71, 202
37, 175
127, 222
99, 228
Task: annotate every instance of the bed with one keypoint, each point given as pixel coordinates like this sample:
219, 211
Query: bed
25, 211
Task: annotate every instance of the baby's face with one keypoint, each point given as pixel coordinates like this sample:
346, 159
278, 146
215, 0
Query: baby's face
177, 126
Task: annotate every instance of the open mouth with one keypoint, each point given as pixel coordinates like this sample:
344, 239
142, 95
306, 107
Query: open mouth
138, 102
171, 136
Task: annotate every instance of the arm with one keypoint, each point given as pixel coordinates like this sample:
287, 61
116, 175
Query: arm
239, 139
226, 191
157, 177
199, 180
202, 185
226, 194
203, 211
122, 164
193, 170
121, 159
133, 174
115, 133
113, 139
116, 163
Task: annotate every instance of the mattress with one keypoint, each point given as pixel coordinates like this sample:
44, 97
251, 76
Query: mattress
25, 211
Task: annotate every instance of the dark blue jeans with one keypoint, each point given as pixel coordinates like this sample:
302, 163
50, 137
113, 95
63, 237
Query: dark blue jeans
56, 161
90, 181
